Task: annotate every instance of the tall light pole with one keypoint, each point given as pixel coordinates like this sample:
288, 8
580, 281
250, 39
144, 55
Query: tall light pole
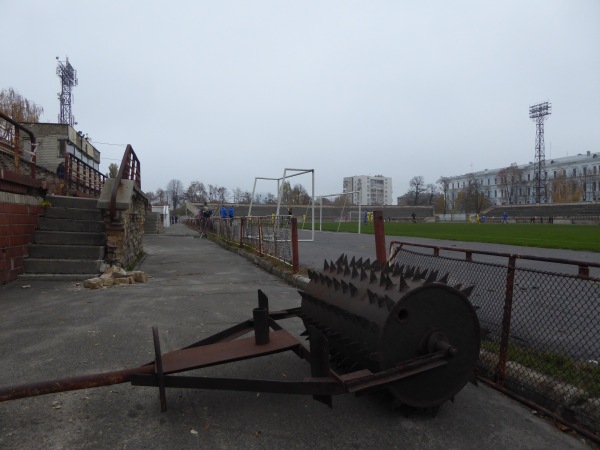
539, 113
68, 80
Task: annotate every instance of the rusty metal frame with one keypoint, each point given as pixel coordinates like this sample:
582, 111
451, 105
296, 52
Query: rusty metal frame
232, 345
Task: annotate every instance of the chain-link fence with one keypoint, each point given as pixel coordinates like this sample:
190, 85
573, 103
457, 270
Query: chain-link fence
272, 236
540, 329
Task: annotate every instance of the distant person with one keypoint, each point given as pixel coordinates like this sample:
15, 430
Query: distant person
414, 218
366, 218
60, 170
223, 212
206, 213
504, 217
290, 215
482, 219
230, 214
477, 218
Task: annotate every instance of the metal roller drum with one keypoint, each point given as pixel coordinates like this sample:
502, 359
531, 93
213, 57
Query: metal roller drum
378, 317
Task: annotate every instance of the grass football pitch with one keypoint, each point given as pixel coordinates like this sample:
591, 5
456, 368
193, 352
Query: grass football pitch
573, 237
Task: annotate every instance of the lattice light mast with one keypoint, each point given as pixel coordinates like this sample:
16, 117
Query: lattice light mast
68, 80
539, 113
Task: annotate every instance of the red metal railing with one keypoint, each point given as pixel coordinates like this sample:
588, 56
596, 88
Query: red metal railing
129, 170
11, 143
275, 237
82, 177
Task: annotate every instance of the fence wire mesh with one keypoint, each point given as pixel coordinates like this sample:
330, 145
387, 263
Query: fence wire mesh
551, 327
270, 236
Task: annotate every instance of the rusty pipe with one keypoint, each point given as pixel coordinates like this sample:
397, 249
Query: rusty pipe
73, 384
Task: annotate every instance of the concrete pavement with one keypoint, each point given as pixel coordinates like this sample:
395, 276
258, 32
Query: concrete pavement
58, 329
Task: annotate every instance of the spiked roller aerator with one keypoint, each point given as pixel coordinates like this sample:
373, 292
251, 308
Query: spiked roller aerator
378, 317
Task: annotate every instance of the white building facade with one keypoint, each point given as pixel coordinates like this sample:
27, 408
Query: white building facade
369, 190
567, 179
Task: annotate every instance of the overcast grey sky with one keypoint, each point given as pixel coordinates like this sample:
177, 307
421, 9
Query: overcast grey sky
225, 91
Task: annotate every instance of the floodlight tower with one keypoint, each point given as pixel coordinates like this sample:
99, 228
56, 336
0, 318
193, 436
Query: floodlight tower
68, 80
538, 113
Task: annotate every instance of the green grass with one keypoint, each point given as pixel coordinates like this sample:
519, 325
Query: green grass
572, 237
583, 375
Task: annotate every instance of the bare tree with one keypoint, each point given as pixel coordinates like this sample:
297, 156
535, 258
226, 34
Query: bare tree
474, 198
161, 194
246, 197
151, 196
175, 193
237, 195
270, 199
444, 183
196, 192
431, 193
222, 194
510, 178
416, 188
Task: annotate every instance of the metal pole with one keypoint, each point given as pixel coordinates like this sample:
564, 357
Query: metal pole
295, 260
506, 319
313, 205
379, 236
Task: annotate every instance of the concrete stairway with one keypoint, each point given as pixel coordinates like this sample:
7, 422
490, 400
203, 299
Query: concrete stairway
69, 243
153, 223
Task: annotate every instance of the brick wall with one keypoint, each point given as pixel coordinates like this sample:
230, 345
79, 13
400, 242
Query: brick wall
19, 216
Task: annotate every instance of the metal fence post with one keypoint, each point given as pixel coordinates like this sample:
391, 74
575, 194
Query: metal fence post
506, 318
295, 263
242, 223
260, 236
379, 236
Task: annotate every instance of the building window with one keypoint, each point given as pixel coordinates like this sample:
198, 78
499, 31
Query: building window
555, 174
62, 147
528, 177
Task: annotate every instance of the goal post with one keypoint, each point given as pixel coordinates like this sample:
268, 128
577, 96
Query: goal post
321, 197
280, 183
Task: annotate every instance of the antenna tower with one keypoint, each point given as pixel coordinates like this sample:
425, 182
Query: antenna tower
539, 113
68, 80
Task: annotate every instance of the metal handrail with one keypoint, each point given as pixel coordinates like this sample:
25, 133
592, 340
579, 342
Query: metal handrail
85, 175
32, 139
129, 170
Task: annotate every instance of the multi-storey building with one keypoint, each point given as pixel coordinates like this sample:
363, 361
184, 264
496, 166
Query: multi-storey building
369, 190
56, 139
567, 179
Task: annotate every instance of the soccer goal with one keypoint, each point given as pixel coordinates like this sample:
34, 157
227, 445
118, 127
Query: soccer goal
280, 182
340, 220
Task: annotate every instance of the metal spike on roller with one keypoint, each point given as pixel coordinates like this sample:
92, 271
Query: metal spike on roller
382, 316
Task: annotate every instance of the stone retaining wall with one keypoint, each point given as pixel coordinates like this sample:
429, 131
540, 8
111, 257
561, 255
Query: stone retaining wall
125, 232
